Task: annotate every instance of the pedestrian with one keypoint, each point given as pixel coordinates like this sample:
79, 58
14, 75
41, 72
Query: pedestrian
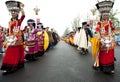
105, 56
14, 56
85, 33
77, 38
54, 34
51, 40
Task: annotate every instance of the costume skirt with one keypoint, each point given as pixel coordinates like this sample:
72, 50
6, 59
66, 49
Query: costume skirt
106, 60
14, 58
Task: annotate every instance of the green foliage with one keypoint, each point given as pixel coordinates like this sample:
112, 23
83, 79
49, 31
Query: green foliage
75, 23
114, 19
66, 31
113, 15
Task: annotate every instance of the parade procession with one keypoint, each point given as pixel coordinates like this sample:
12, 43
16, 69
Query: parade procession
102, 40
28, 44
36, 47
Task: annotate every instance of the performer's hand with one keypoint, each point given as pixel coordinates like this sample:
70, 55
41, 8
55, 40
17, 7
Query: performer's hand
22, 10
99, 37
21, 5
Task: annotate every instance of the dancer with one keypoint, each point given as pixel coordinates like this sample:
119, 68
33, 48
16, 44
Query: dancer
14, 56
105, 56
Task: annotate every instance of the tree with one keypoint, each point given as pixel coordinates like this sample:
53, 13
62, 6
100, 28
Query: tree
114, 19
66, 31
94, 12
113, 15
75, 23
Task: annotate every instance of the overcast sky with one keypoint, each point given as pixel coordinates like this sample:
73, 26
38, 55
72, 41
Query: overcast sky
57, 14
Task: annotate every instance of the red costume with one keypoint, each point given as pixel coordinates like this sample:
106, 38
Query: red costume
106, 54
14, 56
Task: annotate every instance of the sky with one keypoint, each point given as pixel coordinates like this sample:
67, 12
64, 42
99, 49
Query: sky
57, 14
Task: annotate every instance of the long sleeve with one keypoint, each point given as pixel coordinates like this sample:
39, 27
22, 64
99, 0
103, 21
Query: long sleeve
21, 19
90, 33
98, 27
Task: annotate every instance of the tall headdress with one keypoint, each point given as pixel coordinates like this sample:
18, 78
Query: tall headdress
31, 21
13, 6
105, 6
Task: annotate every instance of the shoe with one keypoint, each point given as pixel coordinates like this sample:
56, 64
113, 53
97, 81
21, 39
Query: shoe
114, 58
83, 53
112, 72
87, 51
96, 68
5, 72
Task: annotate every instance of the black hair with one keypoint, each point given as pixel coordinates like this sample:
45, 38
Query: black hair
88, 25
41, 26
16, 18
79, 28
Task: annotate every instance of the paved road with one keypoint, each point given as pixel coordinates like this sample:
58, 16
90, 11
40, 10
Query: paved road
62, 64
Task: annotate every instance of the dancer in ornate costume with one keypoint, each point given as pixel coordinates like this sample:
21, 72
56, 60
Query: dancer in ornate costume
105, 56
31, 41
40, 39
14, 56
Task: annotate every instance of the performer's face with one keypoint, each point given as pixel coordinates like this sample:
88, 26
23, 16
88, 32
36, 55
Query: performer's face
14, 14
47, 28
105, 16
30, 24
85, 25
39, 27
26, 29
51, 30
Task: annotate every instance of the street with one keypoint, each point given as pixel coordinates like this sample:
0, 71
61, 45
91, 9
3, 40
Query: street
63, 63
